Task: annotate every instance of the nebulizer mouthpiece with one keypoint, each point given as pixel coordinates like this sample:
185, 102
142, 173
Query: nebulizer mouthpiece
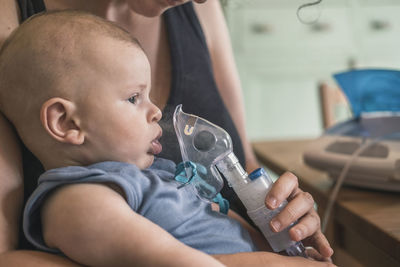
206, 152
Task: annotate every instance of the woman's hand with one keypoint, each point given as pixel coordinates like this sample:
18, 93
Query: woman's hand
301, 208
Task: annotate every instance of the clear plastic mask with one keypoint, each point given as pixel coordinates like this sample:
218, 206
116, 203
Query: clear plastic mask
202, 143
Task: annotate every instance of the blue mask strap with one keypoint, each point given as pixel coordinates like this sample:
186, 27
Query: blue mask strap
222, 203
180, 173
180, 176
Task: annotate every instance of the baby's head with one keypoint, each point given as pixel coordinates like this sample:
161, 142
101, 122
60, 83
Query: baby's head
76, 88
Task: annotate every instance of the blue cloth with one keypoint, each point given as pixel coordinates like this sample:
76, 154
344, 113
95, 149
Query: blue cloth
371, 90
152, 193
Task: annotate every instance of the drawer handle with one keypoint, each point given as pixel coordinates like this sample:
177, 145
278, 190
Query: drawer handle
259, 28
379, 25
321, 27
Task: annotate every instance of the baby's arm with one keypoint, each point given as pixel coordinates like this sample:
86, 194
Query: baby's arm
93, 225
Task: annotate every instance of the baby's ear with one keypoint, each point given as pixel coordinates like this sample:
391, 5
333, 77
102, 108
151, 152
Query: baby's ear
58, 117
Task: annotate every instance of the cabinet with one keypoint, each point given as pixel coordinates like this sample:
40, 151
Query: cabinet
281, 60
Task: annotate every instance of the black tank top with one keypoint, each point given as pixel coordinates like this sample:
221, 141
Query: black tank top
193, 86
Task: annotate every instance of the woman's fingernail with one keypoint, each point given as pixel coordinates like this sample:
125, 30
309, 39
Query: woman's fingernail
271, 202
276, 225
299, 235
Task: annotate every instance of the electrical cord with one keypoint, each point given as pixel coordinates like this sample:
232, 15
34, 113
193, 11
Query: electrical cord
344, 173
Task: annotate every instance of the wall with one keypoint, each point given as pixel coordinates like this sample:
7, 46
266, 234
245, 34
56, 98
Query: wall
281, 60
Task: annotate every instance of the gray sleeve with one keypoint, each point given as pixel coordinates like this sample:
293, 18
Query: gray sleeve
31, 218
51, 180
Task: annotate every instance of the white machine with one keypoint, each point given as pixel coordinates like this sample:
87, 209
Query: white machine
377, 167
371, 140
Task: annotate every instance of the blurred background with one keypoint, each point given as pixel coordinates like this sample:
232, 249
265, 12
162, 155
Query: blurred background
286, 65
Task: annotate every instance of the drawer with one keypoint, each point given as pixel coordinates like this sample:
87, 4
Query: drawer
279, 108
379, 38
276, 37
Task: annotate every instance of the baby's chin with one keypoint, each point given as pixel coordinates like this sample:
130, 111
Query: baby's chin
150, 163
145, 162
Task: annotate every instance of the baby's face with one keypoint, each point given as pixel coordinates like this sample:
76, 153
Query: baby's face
118, 118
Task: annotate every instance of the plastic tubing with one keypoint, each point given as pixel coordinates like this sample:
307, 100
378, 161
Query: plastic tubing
343, 174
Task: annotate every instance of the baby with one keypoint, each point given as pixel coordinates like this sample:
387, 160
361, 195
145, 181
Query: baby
82, 107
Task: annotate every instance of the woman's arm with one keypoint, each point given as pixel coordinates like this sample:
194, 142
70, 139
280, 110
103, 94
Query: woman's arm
225, 71
11, 186
18, 258
11, 181
269, 259
11, 197
9, 18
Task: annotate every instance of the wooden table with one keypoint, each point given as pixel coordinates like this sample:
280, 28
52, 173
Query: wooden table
365, 225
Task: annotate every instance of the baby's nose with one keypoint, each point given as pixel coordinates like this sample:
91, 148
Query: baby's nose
156, 113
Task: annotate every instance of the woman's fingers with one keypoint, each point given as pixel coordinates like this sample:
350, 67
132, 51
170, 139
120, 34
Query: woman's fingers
300, 208
282, 189
300, 203
320, 243
308, 229
312, 253
306, 226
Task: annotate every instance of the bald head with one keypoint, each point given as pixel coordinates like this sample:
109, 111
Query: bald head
44, 58
56, 55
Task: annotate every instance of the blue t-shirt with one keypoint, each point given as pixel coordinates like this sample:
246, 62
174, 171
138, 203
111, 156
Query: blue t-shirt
153, 193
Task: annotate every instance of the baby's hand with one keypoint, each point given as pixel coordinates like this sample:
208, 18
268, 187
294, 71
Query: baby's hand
301, 208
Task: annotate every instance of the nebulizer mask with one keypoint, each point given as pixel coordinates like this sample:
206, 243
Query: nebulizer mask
202, 144
206, 152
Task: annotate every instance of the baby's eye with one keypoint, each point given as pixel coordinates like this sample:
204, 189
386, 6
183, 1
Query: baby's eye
133, 99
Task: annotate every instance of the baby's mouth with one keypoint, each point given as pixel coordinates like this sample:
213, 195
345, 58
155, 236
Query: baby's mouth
156, 146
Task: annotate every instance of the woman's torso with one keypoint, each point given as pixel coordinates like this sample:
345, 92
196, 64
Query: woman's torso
186, 73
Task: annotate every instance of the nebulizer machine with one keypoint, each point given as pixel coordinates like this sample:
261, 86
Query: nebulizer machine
206, 152
363, 151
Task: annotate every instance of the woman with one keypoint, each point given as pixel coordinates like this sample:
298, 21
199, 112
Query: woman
192, 64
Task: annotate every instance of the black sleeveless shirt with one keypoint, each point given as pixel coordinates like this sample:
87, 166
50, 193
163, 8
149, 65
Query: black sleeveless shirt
193, 86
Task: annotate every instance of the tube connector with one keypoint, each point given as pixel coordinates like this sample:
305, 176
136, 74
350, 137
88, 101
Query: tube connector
297, 249
233, 172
